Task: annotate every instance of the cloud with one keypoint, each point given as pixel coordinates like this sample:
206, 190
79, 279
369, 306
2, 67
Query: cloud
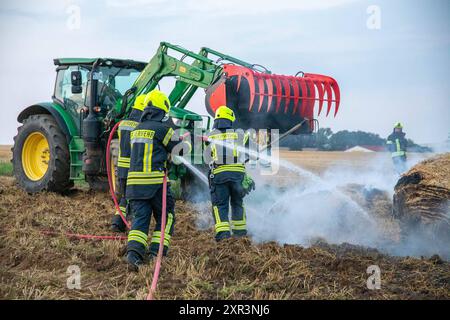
31, 7
395, 73
221, 8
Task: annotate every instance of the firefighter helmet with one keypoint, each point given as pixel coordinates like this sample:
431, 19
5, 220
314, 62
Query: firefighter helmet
398, 125
224, 112
139, 102
158, 100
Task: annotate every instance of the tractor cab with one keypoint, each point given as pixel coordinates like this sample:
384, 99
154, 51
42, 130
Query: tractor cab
112, 78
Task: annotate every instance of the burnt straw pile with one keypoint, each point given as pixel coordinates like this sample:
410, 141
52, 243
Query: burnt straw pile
422, 198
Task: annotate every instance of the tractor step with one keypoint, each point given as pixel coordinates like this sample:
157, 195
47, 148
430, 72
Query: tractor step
76, 149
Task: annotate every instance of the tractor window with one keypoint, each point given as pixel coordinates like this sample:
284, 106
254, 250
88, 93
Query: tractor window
63, 88
113, 83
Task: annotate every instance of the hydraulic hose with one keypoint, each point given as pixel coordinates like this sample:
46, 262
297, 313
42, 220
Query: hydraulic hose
108, 169
161, 241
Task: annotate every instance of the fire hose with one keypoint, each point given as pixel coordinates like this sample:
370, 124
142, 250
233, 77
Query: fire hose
157, 269
84, 236
108, 170
91, 236
161, 241
163, 213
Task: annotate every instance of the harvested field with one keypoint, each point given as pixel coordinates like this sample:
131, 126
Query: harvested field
5, 152
5, 160
318, 162
33, 265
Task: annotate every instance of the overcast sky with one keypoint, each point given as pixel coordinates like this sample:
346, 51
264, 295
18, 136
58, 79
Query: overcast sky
396, 68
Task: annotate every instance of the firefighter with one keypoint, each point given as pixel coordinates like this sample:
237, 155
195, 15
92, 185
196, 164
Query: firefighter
397, 145
151, 143
123, 163
229, 182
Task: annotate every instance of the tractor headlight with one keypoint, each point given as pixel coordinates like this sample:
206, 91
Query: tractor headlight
180, 122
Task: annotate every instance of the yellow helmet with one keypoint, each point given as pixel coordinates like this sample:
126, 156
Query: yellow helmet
139, 102
398, 125
224, 112
158, 100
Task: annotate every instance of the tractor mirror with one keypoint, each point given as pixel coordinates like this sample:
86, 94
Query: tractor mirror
76, 80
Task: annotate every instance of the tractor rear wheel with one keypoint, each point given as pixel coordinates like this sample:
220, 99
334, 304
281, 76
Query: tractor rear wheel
41, 159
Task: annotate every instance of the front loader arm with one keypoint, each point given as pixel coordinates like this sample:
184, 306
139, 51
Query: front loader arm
204, 51
201, 73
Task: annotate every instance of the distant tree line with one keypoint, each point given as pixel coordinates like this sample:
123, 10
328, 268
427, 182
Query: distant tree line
324, 139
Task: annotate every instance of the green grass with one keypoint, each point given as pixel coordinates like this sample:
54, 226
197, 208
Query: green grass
6, 168
81, 184
175, 187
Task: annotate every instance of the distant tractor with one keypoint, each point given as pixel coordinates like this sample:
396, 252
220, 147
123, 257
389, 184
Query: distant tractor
65, 140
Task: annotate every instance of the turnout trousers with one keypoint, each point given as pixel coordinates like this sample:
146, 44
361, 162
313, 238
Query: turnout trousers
142, 210
117, 222
222, 196
399, 164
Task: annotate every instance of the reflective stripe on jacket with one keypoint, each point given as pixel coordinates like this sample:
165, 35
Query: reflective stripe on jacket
151, 143
397, 144
124, 131
228, 160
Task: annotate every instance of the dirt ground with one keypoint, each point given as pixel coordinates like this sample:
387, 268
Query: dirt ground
34, 265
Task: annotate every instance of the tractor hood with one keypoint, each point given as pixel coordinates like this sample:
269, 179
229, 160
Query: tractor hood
184, 114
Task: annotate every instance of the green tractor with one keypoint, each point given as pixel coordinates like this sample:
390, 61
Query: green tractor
65, 140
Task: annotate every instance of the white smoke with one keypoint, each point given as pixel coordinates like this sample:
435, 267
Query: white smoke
303, 210
307, 207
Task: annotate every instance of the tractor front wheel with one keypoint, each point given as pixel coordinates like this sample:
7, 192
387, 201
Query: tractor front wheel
41, 159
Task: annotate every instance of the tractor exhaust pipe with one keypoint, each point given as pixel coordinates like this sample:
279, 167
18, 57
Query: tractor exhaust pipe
92, 129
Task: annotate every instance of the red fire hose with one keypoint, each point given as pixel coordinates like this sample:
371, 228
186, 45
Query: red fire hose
84, 236
108, 169
161, 241
116, 204
91, 236
163, 213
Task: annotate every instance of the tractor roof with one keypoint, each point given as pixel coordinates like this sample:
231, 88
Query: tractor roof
89, 61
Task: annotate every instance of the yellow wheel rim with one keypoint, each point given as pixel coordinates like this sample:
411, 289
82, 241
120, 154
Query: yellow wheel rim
35, 156
113, 172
